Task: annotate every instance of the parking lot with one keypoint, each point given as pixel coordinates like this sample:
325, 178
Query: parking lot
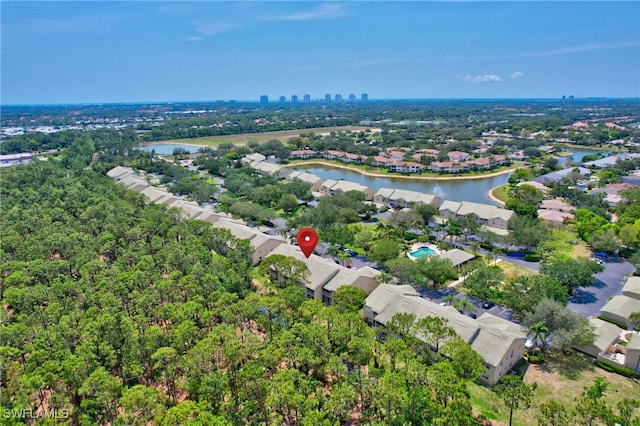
436, 296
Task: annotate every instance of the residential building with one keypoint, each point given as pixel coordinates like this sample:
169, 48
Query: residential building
619, 308
499, 342
401, 198
271, 169
327, 97
256, 157
363, 278
458, 156
294, 99
491, 216
342, 186
406, 167
306, 98
364, 97
457, 257
302, 154
556, 205
264, 99
314, 180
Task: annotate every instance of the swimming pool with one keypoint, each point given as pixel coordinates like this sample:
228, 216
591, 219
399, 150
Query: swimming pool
424, 251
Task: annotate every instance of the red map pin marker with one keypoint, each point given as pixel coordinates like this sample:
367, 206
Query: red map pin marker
307, 240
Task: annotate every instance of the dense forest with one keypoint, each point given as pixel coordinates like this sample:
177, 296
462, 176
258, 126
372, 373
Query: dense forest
118, 311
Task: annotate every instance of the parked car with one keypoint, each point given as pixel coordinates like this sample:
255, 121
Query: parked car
488, 305
472, 315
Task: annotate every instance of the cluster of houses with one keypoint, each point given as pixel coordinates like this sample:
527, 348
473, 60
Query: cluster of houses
498, 341
490, 217
613, 343
398, 160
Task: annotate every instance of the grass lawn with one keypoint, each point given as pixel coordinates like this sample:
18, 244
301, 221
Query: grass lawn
561, 378
512, 270
561, 243
502, 192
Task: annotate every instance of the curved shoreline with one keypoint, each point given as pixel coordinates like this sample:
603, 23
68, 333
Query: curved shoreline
493, 198
363, 172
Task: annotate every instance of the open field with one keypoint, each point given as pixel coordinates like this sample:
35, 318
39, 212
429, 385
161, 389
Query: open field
243, 138
562, 378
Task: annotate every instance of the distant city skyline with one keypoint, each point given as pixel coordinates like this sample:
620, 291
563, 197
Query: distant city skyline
110, 52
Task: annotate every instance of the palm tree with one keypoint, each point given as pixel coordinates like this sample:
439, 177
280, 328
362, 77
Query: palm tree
449, 298
463, 305
345, 259
541, 331
439, 228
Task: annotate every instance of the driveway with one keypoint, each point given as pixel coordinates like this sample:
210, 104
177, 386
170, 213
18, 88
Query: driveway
589, 300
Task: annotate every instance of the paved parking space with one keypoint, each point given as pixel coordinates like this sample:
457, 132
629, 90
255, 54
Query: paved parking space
437, 295
589, 300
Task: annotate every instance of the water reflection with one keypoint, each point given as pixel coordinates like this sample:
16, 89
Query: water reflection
456, 190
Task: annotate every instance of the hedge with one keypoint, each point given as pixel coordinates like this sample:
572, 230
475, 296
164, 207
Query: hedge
619, 324
532, 257
614, 368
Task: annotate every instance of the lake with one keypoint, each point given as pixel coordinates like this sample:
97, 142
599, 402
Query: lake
456, 190
167, 148
577, 154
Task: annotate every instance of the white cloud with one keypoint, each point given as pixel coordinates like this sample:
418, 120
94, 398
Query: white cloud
323, 11
487, 78
213, 28
210, 29
516, 74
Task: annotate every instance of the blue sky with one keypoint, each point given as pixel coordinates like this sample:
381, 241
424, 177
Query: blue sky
121, 51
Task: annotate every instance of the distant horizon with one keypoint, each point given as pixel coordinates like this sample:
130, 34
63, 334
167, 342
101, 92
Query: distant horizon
319, 101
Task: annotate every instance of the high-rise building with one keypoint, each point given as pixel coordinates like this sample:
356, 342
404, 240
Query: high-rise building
364, 97
294, 99
306, 98
283, 99
570, 98
264, 99
352, 98
327, 97
338, 97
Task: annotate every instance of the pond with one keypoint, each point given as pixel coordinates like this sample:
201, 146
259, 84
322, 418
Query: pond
454, 189
167, 148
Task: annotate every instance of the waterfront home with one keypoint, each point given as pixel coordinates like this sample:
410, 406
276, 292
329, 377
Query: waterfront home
561, 174
314, 180
554, 216
406, 167
536, 185
499, 342
336, 187
401, 198
448, 167
380, 161
271, 169
486, 214
331, 154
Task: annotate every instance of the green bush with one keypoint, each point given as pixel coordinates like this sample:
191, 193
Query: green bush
408, 235
432, 238
536, 359
532, 257
614, 368
619, 324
